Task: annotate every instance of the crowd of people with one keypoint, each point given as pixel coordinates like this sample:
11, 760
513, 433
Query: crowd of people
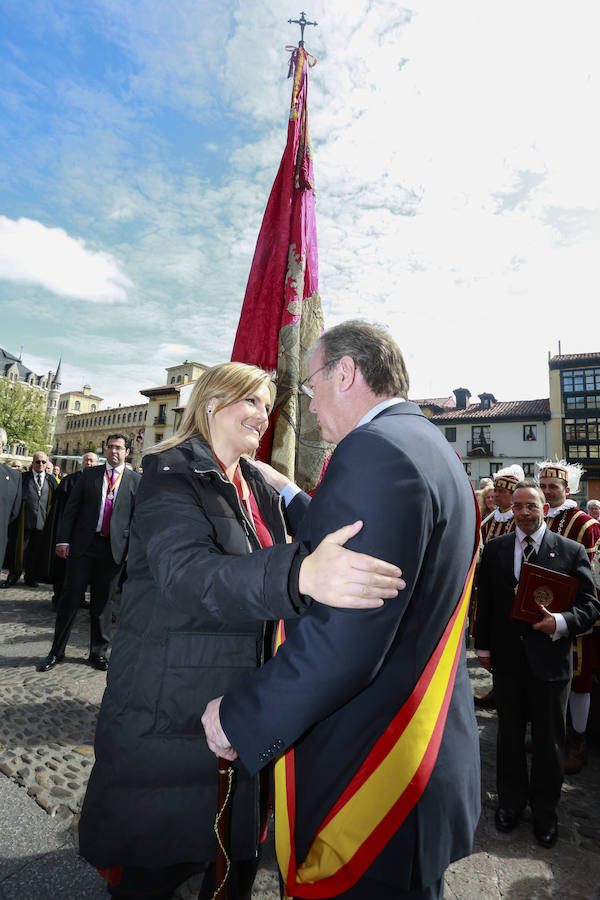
329, 670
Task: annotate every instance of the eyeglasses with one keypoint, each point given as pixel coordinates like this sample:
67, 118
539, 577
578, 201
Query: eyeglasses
40, 462
305, 386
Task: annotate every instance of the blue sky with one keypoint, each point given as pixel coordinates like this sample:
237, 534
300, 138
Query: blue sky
456, 158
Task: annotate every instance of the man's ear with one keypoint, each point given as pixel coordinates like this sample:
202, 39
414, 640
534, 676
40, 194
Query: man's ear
546, 509
349, 371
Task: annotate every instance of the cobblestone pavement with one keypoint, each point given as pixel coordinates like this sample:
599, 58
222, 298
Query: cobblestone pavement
47, 723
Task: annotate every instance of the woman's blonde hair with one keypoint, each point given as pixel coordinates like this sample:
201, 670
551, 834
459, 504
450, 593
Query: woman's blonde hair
481, 497
228, 383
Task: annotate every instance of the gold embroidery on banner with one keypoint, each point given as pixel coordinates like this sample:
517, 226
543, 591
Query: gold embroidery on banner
296, 89
298, 448
294, 277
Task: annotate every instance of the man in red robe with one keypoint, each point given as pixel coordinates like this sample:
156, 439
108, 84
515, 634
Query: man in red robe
558, 480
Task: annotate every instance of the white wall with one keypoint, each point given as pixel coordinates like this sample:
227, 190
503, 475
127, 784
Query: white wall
508, 443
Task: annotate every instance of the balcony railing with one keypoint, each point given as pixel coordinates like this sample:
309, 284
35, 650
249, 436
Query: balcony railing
160, 420
480, 448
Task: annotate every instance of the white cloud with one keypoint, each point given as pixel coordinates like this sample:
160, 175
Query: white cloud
35, 254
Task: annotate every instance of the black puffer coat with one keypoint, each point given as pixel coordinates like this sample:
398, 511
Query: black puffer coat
191, 627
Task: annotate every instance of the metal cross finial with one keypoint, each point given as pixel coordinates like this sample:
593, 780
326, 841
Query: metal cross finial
302, 22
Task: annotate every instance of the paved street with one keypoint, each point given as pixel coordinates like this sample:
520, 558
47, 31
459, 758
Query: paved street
46, 735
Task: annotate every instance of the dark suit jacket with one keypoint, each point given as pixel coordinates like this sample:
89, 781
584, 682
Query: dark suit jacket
36, 508
10, 502
515, 647
80, 517
334, 686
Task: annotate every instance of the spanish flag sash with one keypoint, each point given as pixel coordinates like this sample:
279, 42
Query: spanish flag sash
385, 788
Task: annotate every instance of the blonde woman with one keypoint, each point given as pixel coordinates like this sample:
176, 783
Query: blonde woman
208, 562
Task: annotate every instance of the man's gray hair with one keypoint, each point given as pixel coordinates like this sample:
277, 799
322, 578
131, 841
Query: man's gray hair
533, 485
374, 352
3, 437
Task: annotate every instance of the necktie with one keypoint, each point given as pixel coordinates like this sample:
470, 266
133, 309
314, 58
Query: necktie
108, 505
39, 483
529, 553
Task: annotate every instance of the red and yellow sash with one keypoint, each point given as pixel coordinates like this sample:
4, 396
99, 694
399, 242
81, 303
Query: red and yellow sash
385, 788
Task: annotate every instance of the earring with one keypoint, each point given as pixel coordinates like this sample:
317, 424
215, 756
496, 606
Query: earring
209, 411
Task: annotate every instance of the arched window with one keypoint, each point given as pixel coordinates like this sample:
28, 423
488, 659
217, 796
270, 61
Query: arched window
77, 406
93, 407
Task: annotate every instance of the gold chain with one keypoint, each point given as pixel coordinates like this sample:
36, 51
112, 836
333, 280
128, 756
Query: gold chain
229, 772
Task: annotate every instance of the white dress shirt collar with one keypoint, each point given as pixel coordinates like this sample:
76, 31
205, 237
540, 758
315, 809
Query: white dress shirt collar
555, 510
537, 536
379, 407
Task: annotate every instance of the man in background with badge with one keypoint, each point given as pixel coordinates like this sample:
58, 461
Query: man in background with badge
531, 663
92, 536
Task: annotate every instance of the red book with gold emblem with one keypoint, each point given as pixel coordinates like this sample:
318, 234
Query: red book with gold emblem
543, 587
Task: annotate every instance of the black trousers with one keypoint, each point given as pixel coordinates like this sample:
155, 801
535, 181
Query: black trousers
519, 698
98, 569
32, 543
368, 889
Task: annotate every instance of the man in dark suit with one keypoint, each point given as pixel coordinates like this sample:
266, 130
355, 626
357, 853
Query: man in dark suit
93, 535
27, 548
10, 497
63, 492
531, 664
336, 691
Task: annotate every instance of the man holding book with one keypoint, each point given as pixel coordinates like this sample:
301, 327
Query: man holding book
531, 663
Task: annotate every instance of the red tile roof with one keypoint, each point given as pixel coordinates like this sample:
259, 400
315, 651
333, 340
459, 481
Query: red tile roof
578, 359
511, 409
442, 402
166, 389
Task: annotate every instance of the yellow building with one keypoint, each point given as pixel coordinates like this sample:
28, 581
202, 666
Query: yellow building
575, 410
76, 402
164, 403
89, 430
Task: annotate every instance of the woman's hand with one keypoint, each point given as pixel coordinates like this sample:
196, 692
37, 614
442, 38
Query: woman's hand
338, 577
271, 475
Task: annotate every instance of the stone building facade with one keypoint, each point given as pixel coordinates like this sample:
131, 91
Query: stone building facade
82, 401
48, 385
89, 430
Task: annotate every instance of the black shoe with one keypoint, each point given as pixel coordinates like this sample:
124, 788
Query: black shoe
11, 580
98, 662
49, 662
506, 819
546, 836
30, 582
